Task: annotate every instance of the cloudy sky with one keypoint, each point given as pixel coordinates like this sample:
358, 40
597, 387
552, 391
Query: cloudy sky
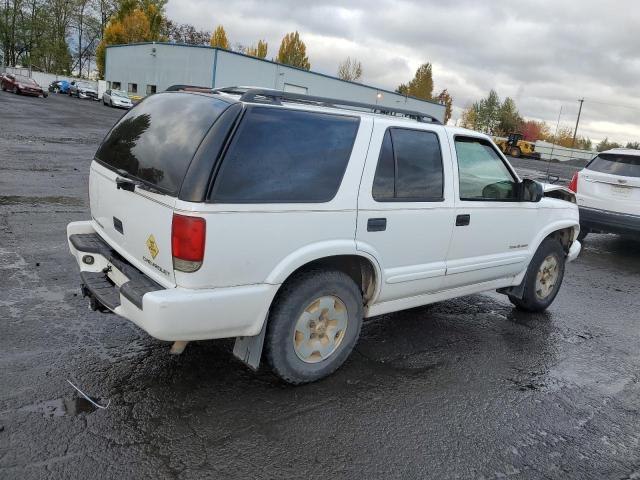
545, 54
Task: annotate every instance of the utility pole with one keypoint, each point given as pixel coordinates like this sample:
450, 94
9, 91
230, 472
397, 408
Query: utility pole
573, 142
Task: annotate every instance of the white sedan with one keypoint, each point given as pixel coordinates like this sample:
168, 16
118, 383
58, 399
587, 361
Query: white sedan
116, 98
608, 193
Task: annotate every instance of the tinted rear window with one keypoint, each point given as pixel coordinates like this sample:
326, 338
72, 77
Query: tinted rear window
614, 164
156, 140
281, 155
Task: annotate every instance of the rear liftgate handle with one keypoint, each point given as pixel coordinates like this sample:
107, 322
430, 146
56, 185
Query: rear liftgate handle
463, 220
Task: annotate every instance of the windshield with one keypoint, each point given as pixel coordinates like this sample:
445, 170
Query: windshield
616, 164
157, 139
85, 85
119, 93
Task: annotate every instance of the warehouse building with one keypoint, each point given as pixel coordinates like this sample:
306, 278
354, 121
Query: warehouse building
146, 68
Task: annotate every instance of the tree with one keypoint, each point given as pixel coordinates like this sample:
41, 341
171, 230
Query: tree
509, 120
488, 113
350, 70
293, 52
634, 145
470, 117
605, 144
186, 33
422, 84
219, 38
134, 27
259, 51
445, 99
533, 131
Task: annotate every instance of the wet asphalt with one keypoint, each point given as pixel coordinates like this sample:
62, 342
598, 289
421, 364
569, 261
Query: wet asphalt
469, 388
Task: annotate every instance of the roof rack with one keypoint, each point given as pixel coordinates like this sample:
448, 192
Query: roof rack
276, 97
189, 88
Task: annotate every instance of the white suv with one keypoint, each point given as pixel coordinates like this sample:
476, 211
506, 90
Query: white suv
608, 193
283, 220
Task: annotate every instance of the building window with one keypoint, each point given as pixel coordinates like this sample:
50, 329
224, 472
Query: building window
151, 89
115, 85
108, 84
132, 88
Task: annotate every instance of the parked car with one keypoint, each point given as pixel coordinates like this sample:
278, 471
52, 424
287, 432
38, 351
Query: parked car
116, 98
283, 220
59, 86
22, 85
82, 90
608, 193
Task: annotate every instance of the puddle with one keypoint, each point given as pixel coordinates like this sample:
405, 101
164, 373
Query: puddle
19, 200
61, 407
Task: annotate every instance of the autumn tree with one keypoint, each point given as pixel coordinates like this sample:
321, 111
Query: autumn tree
445, 99
469, 117
293, 52
219, 38
533, 131
259, 51
350, 70
422, 84
133, 28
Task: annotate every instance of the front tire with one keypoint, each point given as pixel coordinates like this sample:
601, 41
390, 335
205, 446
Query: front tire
313, 326
544, 277
515, 152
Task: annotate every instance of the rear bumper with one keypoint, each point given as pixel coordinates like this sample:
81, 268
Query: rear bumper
167, 314
609, 222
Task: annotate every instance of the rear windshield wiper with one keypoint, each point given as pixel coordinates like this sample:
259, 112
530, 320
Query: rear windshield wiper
125, 182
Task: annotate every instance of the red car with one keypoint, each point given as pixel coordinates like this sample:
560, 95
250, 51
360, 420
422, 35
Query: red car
22, 85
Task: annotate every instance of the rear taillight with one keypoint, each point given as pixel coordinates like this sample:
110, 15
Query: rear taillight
573, 184
187, 242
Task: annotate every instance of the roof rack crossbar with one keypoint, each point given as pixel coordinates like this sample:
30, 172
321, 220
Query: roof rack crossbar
260, 95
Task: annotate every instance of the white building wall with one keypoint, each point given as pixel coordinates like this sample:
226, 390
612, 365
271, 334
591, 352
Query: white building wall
172, 64
158, 64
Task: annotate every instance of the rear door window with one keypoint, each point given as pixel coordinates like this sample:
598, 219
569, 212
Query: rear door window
615, 164
280, 155
409, 167
155, 141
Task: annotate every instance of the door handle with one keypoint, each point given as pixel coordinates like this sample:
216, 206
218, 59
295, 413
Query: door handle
463, 220
376, 225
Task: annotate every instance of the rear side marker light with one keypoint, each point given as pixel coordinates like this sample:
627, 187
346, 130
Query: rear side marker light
188, 236
573, 184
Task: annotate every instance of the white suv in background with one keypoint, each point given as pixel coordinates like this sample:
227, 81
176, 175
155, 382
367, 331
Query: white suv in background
608, 193
283, 220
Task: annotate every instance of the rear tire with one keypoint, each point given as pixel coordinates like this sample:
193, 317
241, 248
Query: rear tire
544, 277
313, 326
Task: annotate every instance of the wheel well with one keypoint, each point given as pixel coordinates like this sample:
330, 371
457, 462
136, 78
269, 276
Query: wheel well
360, 269
564, 236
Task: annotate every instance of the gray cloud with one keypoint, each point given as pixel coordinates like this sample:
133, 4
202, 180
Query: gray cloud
543, 53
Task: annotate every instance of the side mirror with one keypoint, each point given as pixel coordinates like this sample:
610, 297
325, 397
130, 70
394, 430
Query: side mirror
530, 191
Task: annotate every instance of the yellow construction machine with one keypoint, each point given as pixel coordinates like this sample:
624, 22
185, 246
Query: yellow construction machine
515, 146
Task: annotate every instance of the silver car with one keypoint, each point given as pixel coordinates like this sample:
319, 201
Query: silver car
116, 98
82, 90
